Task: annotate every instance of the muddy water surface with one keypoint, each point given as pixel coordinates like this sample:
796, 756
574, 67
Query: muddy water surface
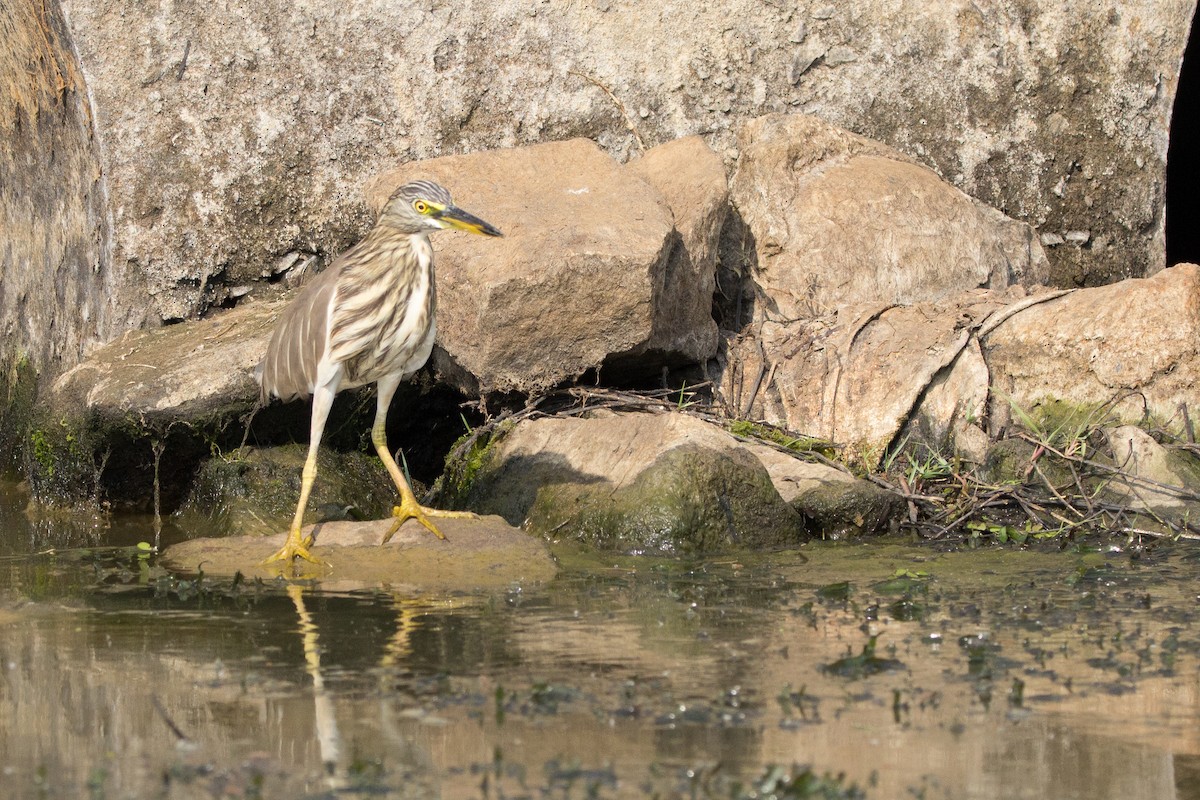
884, 671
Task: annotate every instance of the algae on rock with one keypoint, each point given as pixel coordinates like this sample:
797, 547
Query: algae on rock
691, 500
255, 491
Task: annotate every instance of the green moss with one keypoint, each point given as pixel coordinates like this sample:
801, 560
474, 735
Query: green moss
847, 510
1063, 425
457, 481
770, 433
60, 460
255, 490
18, 398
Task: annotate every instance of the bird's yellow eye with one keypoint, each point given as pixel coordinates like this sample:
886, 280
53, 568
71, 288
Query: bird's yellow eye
421, 206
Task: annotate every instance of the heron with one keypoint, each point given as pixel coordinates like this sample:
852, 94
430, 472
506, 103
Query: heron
368, 318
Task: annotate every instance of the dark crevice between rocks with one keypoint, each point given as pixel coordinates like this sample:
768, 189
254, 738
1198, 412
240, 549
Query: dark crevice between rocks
1183, 161
644, 370
737, 260
424, 422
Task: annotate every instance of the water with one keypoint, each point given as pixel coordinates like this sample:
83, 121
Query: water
992, 674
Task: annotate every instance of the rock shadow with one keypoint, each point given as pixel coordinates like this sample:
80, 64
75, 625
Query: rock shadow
511, 489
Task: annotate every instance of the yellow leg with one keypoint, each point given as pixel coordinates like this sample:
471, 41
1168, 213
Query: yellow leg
409, 508
296, 546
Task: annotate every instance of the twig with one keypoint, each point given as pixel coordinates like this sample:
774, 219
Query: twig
162, 712
1160, 534
1148, 483
637, 137
187, 48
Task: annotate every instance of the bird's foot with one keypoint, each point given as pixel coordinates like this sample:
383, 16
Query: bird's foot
409, 508
295, 547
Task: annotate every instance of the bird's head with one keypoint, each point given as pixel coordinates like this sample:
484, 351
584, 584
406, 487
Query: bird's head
425, 206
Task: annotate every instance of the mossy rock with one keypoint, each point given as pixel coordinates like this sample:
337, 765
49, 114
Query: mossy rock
18, 398
255, 491
691, 500
457, 481
848, 510
1009, 462
61, 461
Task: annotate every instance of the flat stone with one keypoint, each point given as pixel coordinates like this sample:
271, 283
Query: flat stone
477, 554
175, 374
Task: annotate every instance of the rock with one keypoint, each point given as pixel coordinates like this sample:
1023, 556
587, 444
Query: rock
59, 290
254, 492
691, 178
836, 504
180, 388
865, 374
574, 279
180, 374
1132, 342
655, 483
871, 377
950, 414
634, 483
806, 56
838, 219
1153, 478
1142, 483
477, 554
227, 146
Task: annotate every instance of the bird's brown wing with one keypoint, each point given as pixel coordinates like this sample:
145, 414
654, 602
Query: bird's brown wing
289, 369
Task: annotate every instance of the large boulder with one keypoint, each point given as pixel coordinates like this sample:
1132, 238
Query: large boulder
662, 483
869, 377
227, 144
57, 282
837, 218
590, 266
201, 149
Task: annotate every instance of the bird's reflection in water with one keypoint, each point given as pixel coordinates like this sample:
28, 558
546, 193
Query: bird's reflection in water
328, 738
396, 653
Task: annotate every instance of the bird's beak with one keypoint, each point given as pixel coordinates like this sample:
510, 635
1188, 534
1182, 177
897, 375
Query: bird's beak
455, 217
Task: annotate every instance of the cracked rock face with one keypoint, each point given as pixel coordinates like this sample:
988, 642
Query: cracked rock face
1132, 342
